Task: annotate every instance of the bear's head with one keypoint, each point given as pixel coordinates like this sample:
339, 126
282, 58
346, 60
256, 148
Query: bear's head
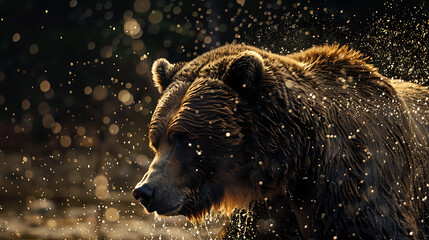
199, 135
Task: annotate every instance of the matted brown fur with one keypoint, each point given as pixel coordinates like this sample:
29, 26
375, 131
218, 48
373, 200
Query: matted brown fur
320, 131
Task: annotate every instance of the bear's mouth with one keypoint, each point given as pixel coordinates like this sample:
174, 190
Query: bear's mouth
171, 211
160, 210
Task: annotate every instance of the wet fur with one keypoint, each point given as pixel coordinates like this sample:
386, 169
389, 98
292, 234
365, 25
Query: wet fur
322, 120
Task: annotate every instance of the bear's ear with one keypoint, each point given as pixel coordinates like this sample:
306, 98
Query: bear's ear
245, 72
163, 73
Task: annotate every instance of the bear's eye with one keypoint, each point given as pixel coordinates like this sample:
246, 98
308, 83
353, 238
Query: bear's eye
181, 139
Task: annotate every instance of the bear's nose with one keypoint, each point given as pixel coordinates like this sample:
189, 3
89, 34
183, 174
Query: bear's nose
144, 192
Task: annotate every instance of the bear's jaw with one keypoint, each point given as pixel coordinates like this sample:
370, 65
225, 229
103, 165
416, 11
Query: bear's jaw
172, 211
233, 198
236, 198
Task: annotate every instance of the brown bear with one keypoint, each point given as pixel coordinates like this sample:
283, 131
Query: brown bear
319, 134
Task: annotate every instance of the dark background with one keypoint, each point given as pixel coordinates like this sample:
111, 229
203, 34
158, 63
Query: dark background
76, 94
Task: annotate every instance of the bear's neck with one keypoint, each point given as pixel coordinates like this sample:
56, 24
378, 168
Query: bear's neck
279, 146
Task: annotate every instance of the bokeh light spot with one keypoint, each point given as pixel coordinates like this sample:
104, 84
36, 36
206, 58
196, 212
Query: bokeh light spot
56, 128
138, 45
125, 97
241, 2
106, 120
112, 214
113, 129
48, 121
16, 37
141, 6
100, 92
91, 46
106, 52
80, 131
207, 40
34, 49
44, 108
25, 104
155, 17
65, 141
132, 28
142, 68
45, 86
73, 3
87, 90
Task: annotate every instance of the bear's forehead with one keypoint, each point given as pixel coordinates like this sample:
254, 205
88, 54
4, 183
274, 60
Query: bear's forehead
191, 105
205, 67
173, 103
210, 66
213, 63
168, 104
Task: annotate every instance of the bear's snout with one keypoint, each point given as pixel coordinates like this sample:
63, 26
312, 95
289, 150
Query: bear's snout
158, 198
145, 194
